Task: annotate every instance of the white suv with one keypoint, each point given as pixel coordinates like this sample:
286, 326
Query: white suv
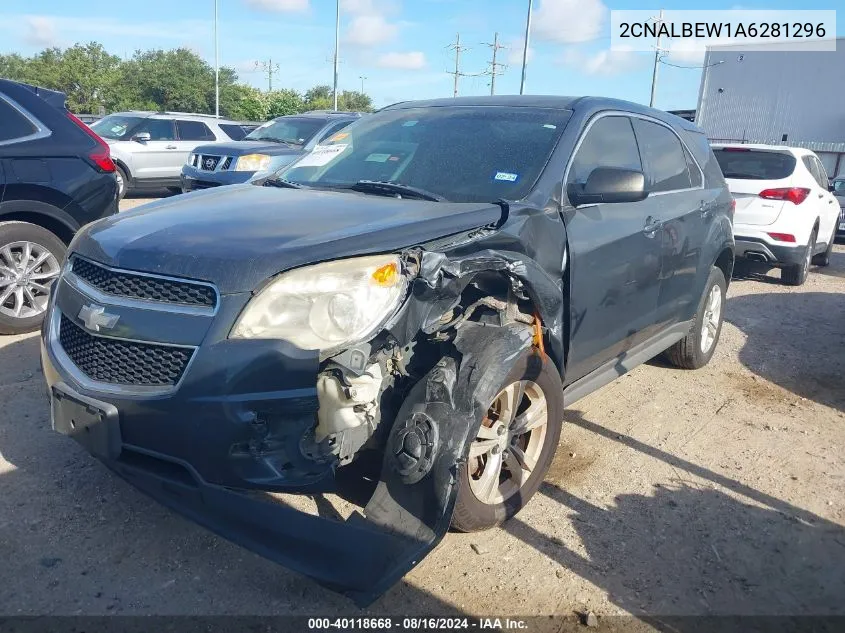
149, 148
785, 215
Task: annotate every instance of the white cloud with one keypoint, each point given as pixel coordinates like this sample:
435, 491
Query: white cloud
371, 30
569, 21
604, 62
280, 6
414, 60
41, 31
515, 50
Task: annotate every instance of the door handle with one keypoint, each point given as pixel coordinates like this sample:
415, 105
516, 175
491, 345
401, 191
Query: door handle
651, 226
821, 195
171, 147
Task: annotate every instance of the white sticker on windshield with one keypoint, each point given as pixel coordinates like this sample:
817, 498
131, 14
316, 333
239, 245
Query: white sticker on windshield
321, 155
377, 158
505, 176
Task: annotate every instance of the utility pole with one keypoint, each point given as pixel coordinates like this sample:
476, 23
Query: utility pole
268, 67
457, 72
216, 65
362, 78
525, 47
336, 47
494, 65
657, 51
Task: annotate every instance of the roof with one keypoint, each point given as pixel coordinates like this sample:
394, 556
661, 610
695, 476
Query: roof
53, 97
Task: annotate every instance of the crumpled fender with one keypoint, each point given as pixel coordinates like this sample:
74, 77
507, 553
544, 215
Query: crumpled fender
430, 439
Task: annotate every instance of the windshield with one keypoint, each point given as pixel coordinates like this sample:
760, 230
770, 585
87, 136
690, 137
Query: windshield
744, 164
116, 126
287, 130
460, 153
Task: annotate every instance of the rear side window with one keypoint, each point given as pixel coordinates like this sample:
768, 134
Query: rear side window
158, 129
13, 125
749, 164
664, 157
609, 142
194, 131
234, 132
822, 179
694, 171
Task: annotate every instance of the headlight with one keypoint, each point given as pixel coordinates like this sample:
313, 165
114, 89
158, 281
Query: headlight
253, 162
328, 306
192, 160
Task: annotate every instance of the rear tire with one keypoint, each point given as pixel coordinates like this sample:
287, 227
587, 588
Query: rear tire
32, 258
823, 259
696, 349
796, 274
540, 380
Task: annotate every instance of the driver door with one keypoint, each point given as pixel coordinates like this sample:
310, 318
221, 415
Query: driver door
157, 158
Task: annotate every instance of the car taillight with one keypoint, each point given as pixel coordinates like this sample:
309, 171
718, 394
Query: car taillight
733, 205
100, 156
795, 195
782, 237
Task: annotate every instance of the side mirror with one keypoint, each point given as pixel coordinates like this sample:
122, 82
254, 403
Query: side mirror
141, 137
608, 185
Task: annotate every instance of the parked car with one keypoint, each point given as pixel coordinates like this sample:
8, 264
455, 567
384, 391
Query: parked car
149, 148
429, 289
88, 119
785, 216
837, 187
267, 148
55, 176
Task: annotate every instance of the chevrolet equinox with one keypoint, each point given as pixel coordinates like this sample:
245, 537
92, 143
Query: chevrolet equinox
421, 296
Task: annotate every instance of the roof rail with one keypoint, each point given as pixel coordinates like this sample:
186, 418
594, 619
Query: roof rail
333, 112
206, 116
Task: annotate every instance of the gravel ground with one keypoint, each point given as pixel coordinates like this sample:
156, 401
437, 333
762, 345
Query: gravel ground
673, 493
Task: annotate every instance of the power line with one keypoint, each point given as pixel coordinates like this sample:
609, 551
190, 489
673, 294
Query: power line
494, 65
690, 67
268, 67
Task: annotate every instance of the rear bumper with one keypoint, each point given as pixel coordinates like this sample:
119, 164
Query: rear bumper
193, 179
758, 250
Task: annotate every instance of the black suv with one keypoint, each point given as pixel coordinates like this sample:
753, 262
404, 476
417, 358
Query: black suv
267, 148
55, 176
430, 290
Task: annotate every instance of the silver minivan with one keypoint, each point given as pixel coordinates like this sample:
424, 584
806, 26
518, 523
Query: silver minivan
149, 148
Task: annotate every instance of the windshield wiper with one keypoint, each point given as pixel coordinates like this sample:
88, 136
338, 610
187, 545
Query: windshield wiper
394, 188
269, 138
282, 184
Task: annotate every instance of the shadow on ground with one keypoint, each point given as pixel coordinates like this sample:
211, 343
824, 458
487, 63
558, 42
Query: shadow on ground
721, 548
797, 345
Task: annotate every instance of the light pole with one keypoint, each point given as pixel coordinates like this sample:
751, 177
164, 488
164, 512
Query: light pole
336, 46
525, 48
656, 62
216, 65
362, 78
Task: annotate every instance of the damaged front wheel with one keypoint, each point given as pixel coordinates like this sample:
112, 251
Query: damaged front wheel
514, 446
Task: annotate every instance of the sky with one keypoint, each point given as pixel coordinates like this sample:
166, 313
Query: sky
402, 48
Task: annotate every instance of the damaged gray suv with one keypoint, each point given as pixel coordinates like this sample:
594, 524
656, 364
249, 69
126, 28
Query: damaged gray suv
405, 311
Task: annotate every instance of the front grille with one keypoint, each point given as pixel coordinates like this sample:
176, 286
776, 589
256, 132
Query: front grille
226, 163
122, 362
125, 284
208, 163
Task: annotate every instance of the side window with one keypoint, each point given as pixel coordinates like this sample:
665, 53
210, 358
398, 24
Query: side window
13, 125
333, 130
609, 142
663, 155
823, 178
812, 166
694, 170
194, 131
159, 129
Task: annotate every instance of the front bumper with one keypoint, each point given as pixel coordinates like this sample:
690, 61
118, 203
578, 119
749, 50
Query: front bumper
193, 179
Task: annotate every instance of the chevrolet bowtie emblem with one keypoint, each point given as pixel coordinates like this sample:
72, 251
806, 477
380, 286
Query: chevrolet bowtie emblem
95, 317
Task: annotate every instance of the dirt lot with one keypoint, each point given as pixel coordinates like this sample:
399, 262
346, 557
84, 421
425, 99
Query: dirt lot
710, 492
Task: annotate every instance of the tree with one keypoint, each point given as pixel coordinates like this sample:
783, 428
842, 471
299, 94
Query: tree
177, 80
354, 101
282, 102
243, 103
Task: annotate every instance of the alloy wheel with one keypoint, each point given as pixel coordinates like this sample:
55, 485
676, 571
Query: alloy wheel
509, 442
27, 270
712, 317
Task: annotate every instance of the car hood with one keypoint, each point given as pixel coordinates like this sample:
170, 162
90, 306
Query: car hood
241, 148
238, 236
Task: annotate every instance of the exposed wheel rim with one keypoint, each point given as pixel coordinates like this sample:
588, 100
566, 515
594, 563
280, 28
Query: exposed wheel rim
712, 318
27, 270
509, 442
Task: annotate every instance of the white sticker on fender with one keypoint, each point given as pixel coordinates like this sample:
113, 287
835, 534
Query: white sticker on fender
321, 155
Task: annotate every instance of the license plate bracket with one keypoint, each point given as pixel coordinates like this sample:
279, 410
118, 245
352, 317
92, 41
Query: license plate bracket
92, 423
